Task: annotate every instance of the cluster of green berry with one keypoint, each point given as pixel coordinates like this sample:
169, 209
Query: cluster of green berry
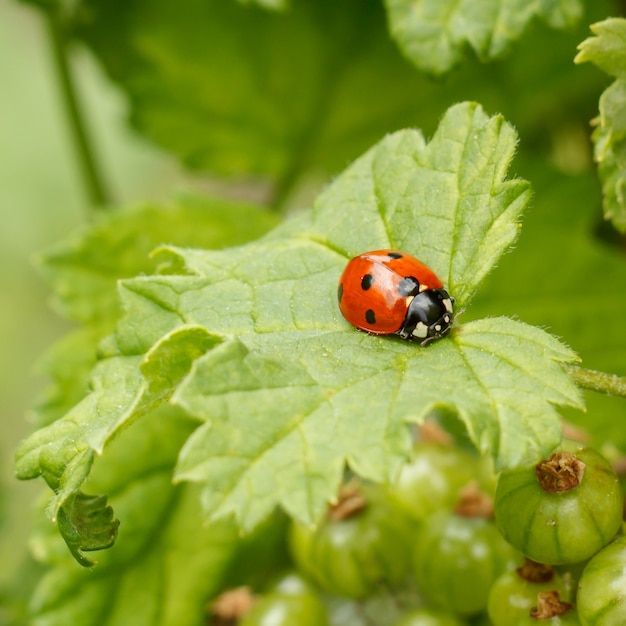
535, 547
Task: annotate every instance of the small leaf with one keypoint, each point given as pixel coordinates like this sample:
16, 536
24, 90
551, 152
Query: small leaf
124, 388
434, 33
86, 523
607, 50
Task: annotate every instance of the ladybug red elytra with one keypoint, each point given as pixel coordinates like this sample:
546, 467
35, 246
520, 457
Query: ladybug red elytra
387, 292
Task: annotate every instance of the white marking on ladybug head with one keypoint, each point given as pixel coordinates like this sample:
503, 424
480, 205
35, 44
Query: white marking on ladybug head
423, 288
438, 328
421, 330
408, 300
447, 303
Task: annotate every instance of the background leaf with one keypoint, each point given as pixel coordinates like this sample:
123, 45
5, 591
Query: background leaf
293, 117
607, 50
434, 33
83, 271
280, 113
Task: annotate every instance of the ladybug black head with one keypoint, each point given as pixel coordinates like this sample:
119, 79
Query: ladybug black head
428, 317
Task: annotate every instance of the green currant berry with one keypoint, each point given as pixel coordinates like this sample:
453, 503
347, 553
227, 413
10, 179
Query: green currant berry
290, 601
601, 597
433, 478
276, 609
457, 559
513, 594
564, 509
360, 544
428, 617
570, 574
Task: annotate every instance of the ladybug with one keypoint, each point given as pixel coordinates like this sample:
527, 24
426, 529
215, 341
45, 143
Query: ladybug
387, 292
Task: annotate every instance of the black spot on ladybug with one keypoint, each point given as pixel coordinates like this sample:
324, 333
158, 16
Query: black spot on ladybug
370, 317
408, 286
394, 255
367, 281
340, 292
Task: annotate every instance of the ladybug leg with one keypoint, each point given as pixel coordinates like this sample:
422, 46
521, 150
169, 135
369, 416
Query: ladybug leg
405, 334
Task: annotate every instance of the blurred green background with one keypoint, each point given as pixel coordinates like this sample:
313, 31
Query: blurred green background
42, 200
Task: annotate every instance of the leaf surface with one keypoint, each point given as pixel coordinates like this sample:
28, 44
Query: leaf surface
283, 431
545, 289
250, 342
435, 33
83, 271
607, 50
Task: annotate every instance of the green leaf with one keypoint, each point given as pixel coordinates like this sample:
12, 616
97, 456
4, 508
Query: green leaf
455, 184
166, 563
351, 401
434, 33
123, 388
545, 289
295, 80
346, 87
86, 523
68, 363
607, 50
83, 271
250, 341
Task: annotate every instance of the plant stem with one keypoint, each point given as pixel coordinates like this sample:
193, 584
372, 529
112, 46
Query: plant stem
601, 382
92, 177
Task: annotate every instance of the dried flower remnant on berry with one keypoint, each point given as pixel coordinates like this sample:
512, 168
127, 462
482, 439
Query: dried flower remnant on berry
350, 503
561, 472
230, 606
549, 605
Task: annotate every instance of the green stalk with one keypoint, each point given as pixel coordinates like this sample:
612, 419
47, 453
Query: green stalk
96, 190
601, 382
